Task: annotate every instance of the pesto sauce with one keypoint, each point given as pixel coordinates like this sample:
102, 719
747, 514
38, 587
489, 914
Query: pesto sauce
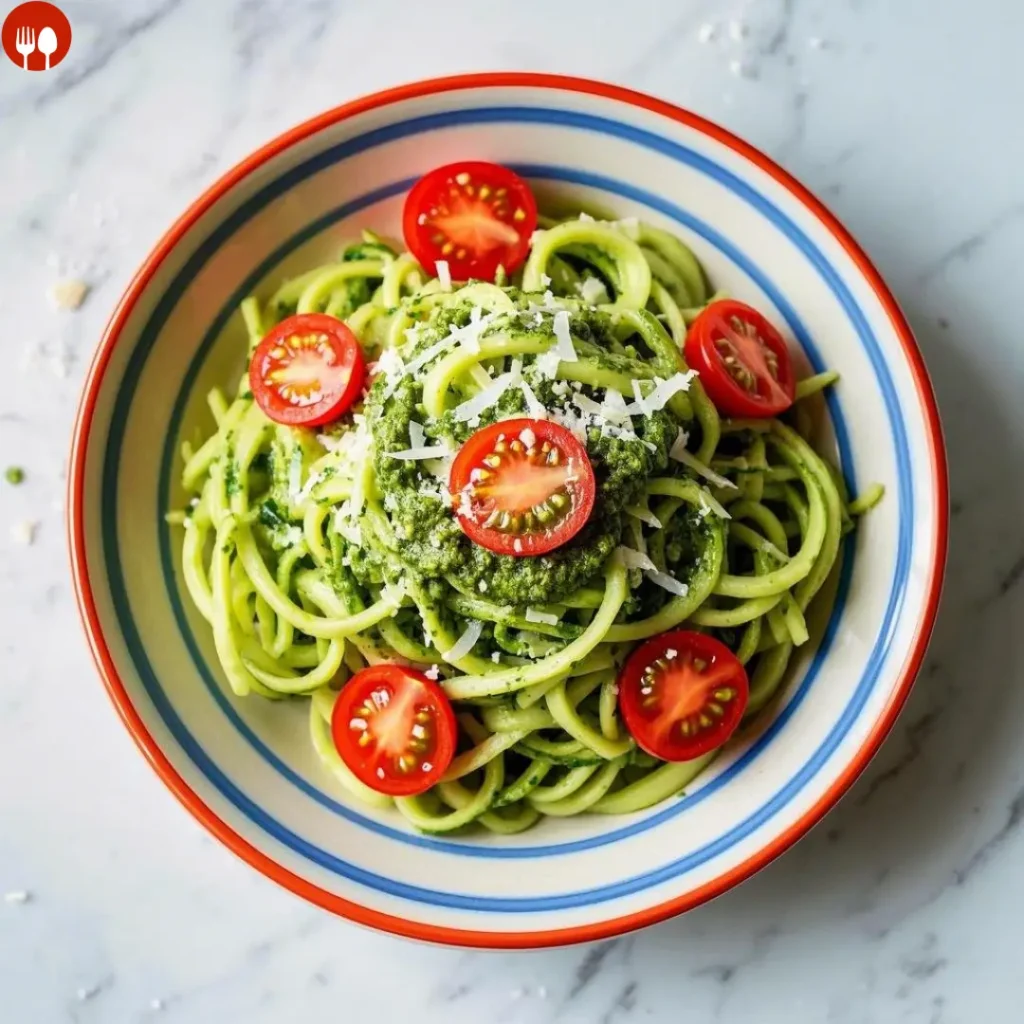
431, 543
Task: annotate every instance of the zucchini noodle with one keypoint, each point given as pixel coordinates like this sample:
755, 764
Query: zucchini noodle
313, 554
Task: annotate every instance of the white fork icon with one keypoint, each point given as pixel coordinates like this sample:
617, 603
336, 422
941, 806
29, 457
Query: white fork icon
25, 43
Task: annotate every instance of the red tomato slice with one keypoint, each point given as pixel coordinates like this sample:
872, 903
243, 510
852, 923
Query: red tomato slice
522, 487
395, 729
682, 694
475, 215
742, 360
307, 371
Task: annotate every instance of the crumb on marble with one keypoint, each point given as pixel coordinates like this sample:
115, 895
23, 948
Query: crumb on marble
59, 366
741, 69
69, 293
24, 533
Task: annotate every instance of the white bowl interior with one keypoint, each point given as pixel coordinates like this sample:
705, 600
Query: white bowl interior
250, 762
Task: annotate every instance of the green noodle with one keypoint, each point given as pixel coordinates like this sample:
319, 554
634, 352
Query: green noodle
295, 554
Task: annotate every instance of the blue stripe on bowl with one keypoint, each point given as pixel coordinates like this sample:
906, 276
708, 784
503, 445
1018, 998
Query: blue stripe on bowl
339, 152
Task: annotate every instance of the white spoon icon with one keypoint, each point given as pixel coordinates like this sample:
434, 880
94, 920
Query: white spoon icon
47, 44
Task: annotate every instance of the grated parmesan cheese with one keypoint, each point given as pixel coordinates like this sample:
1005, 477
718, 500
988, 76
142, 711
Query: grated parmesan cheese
593, 291
665, 390
679, 444
614, 408
669, 583
637, 560
444, 275
429, 353
466, 642
586, 404
485, 399
331, 443
536, 615
416, 454
391, 365
715, 506
469, 339
534, 406
680, 454
640, 405
547, 364
563, 338
345, 523
645, 515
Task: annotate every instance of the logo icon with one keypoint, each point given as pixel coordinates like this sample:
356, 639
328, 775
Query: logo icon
36, 35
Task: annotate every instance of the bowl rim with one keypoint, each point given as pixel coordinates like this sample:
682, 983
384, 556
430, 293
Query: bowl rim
222, 830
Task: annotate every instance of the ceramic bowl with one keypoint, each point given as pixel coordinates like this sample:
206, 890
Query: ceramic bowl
245, 768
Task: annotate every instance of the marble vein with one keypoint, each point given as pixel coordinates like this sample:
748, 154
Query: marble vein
964, 249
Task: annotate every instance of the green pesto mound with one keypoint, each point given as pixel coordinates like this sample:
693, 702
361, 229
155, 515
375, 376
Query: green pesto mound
430, 543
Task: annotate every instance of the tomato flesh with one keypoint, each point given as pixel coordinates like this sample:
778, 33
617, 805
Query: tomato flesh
742, 360
522, 487
307, 371
395, 729
682, 694
474, 215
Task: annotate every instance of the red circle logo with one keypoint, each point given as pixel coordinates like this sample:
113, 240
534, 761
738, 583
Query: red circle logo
36, 35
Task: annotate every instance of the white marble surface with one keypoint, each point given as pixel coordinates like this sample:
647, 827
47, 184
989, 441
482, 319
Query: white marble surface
905, 904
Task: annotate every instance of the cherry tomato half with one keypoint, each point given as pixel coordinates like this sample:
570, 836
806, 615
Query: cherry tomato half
395, 729
522, 487
307, 371
475, 215
682, 694
742, 360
